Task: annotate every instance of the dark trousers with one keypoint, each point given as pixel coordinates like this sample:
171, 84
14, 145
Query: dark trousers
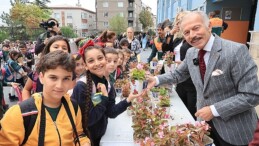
187, 93
218, 141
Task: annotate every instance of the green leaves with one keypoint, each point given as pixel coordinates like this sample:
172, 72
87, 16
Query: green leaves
145, 18
118, 24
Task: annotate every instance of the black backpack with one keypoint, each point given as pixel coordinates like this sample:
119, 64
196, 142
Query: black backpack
30, 113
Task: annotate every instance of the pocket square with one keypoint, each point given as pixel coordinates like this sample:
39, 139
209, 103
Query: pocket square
217, 72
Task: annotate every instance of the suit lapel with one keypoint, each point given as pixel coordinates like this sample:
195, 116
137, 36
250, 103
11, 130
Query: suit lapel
214, 56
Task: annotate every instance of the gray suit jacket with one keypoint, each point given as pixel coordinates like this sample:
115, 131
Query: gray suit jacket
233, 93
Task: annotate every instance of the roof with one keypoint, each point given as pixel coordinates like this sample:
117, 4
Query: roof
66, 6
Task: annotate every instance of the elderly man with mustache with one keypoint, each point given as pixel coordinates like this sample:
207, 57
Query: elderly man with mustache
225, 77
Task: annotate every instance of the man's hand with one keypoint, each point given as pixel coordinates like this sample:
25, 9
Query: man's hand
204, 113
151, 81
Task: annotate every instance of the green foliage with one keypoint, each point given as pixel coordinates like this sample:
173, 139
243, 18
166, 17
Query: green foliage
145, 18
138, 74
68, 32
3, 35
118, 24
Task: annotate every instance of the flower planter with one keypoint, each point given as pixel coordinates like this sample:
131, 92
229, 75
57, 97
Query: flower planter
136, 85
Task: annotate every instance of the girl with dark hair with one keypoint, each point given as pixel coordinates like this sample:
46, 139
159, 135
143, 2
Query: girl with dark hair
93, 85
33, 84
56, 43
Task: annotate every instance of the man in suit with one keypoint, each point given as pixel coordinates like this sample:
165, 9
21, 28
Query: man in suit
225, 77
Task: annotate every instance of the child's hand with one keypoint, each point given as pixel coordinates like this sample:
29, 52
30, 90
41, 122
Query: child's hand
102, 88
133, 96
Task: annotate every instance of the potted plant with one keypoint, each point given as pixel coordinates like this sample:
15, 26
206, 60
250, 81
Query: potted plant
169, 63
137, 77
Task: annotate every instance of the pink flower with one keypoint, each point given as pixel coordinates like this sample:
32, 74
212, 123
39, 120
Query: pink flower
161, 127
140, 99
161, 134
152, 144
197, 124
167, 116
139, 66
146, 140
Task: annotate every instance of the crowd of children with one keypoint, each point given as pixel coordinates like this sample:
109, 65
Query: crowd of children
57, 78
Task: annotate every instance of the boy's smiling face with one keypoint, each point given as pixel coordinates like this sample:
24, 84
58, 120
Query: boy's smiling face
56, 83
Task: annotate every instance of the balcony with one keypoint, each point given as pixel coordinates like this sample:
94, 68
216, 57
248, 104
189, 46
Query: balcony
130, 8
130, 18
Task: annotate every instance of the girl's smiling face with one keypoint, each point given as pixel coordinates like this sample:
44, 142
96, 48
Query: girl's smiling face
95, 62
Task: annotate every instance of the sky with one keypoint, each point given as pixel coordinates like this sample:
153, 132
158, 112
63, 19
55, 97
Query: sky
88, 4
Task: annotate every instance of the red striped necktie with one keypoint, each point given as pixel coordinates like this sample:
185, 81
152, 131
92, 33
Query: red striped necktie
202, 63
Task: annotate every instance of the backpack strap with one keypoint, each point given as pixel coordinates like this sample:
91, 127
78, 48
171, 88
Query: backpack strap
29, 112
71, 119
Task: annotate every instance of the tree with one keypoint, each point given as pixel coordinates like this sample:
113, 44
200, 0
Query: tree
118, 24
68, 32
145, 18
3, 35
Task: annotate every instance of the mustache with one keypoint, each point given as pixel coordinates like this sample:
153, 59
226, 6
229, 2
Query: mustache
195, 38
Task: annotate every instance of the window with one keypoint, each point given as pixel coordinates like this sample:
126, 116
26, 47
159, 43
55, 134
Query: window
120, 4
90, 16
57, 16
105, 14
131, 4
121, 14
130, 24
130, 14
105, 4
105, 24
69, 16
83, 15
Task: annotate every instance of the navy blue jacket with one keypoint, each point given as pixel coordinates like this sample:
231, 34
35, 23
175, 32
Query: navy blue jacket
99, 114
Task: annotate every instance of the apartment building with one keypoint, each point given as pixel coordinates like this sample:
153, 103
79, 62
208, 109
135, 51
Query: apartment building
129, 9
82, 21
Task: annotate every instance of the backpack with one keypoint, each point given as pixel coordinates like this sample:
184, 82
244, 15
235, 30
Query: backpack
29, 113
9, 73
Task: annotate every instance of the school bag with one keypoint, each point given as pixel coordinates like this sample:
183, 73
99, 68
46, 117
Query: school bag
30, 112
9, 73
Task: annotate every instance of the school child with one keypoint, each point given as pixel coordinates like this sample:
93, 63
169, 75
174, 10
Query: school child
80, 65
92, 94
112, 59
6, 49
33, 84
126, 61
14, 72
119, 70
57, 121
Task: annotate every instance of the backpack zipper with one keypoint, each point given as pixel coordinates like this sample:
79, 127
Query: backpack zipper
58, 133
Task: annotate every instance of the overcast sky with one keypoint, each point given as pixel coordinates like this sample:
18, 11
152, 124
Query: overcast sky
88, 4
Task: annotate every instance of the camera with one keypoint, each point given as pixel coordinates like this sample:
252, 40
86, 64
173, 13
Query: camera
46, 25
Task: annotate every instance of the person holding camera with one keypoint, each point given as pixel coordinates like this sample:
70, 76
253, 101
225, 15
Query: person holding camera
52, 28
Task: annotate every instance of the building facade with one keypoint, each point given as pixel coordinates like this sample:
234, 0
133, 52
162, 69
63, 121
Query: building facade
240, 15
82, 21
129, 9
